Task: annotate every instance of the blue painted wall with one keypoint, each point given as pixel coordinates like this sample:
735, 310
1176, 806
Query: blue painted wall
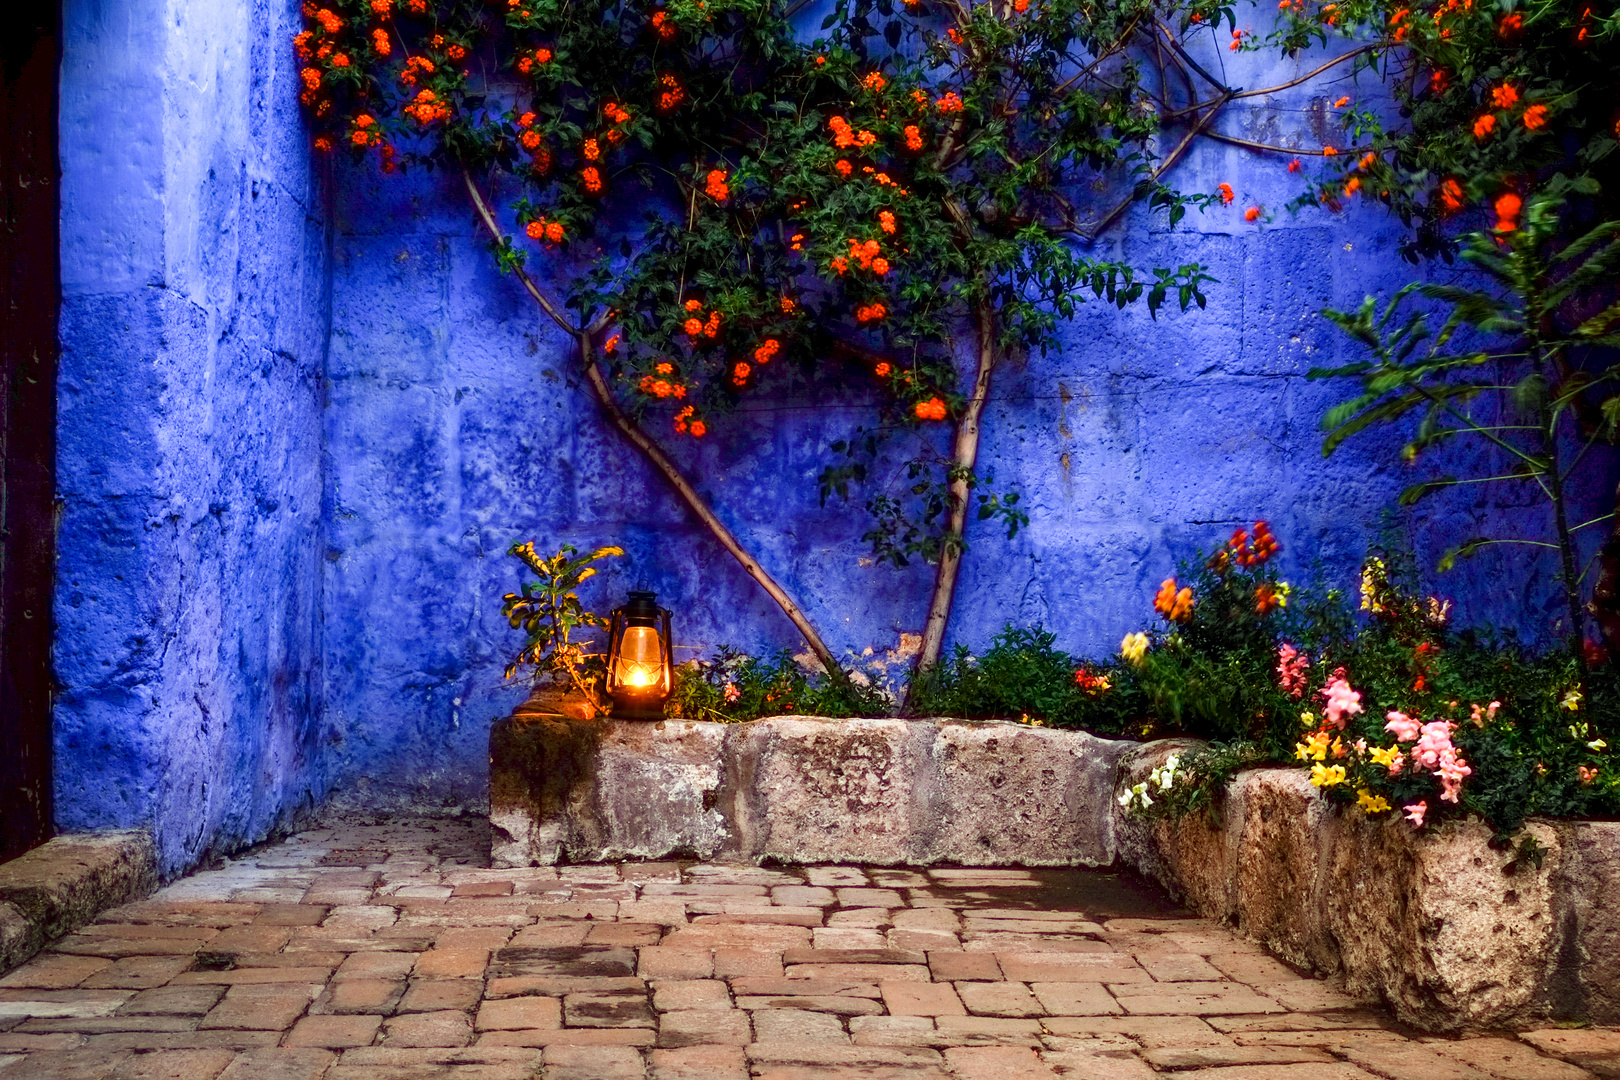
290, 471
194, 326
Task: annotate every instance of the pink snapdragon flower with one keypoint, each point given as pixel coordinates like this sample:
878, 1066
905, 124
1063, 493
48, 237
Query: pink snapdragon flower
1434, 742
1342, 703
1292, 666
1403, 727
1452, 770
1415, 813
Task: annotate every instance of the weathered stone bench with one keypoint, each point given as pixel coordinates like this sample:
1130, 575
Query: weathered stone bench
801, 790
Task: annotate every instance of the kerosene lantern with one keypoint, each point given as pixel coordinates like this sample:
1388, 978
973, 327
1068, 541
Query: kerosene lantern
641, 659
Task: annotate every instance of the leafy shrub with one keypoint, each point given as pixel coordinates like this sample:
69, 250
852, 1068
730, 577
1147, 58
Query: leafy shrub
735, 686
1021, 676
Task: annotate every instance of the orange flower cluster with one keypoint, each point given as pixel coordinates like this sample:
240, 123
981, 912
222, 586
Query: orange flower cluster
1505, 96
1225, 192
1535, 117
323, 143
932, 409
740, 372
914, 140
329, 22
1451, 196
340, 60
949, 103
868, 255
413, 66
1245, 554
365, 131
427, 108
886, 221
672, 94
382, 8
1507, 207
527, 61
1090, 683
1511, 26
695, 327
1237, 41
882, 370
684, 418
417, 7
1251, 214
1484, 126
662, 388
591, 150
770, 348
591, 177
616, 113
549, 231
789, 306
715, 186
844, 136
870, 312
1399, 24
380, 42
312, 80
1266, 599
1174, 606
843, 167
874, 82
663, 27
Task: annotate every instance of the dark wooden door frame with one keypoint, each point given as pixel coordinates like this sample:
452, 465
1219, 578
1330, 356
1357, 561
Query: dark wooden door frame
30, 298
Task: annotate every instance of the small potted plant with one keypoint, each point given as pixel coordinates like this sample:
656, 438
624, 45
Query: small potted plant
566, 669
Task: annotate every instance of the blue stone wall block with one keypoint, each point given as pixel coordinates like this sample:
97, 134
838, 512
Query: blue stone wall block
194, 329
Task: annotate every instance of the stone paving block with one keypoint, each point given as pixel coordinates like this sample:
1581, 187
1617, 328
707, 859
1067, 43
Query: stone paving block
594, 1063
732, 961
589, 961
360, 996
776, 1052
570, 1037
376, 965
451, 964
624, 933
1595, 1049
473, 937
960, 966
334, 1032
663, 962
81, 1064
758, 986
1331, 1039
55, 971
1102, 1065
697, 1027
668, 912
815, 896
551, 935
446, 1028
872, 917
1034, 967
557, 985
706, 1062
986, 1030
859, 897
650, 871
1192, 999
797, 1026
1300, 1021
903, 998
18, 1041
1179, 967
1150, 1031
261, 1007
1075, 999
94, 1025
755, 916
279, 1063
1000, 999
434, 995
832, 1003
848, 937
737, 936
879, 954
670, 995
174, 1065
860, 972
610, 1009
143, 1041
511, 1014
836, 876
1411, 1061
22, 1003
256, 938
1303, 995
1250, 967
893, 1031
252, 976
1204, 1057
997, 1063
137, 973
173, 1000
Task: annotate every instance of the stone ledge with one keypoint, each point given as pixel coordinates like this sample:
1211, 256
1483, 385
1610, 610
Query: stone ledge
1433, 925
797, 789
66, 882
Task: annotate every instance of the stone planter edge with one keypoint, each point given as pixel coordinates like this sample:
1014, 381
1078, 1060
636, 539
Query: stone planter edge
1437, 925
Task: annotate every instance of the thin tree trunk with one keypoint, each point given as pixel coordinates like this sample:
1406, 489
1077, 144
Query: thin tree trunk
963, 456
583, 338
1566, 543
1606, 593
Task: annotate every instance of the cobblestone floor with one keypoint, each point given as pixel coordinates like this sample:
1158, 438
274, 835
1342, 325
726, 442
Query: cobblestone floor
391, 952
